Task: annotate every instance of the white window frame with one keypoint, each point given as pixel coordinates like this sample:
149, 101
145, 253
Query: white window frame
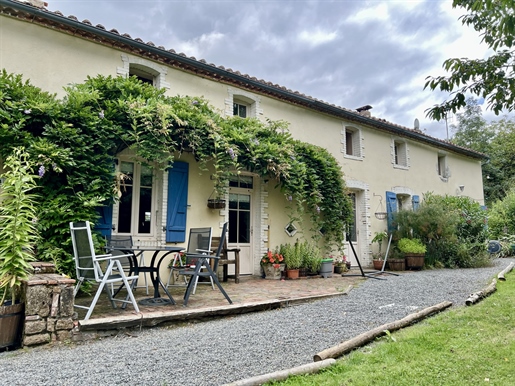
253, 103
136, 201
356, 145
158, 72
241, 103
400, 154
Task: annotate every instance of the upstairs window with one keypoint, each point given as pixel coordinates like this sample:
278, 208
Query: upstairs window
142, 74
240, 109
145, 70
352, 142
242, 104
442, 168
400, 154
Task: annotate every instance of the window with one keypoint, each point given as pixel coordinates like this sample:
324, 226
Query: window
443, 171
352, 142
241, 181
400, 154
242, 104
146, 70
240, 110
142, 74
136, 203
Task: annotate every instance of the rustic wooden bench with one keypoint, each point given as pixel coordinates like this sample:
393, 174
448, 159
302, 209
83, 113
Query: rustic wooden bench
225, 261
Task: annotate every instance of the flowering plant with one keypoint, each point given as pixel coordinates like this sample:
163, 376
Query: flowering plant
339, 260
180, 261
273, 258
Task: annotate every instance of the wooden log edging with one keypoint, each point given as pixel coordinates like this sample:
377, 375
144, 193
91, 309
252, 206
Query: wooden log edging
501, 274
362, 339
477, 296
283, 374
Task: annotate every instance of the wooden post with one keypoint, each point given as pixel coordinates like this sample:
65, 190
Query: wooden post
477, 296
501, 274
361, 340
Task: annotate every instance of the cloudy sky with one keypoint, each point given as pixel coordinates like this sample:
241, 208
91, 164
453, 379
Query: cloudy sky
346, 52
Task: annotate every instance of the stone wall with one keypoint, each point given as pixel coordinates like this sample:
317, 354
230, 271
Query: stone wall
49, 313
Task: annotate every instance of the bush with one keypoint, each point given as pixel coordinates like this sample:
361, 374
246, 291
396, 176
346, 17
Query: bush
452, 228
501, 217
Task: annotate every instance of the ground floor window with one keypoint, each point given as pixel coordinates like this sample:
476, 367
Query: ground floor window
136, 202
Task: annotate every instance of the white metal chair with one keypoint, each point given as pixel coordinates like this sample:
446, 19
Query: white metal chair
118, 242
88, 268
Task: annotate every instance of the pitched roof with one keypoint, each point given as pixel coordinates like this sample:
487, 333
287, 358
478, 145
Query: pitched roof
85, 29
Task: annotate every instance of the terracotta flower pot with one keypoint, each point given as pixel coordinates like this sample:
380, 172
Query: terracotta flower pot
378, 264
292, 273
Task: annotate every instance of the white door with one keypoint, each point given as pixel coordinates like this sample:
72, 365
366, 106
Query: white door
240, 221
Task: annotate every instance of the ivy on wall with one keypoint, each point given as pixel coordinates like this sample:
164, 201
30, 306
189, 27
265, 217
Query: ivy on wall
75, 141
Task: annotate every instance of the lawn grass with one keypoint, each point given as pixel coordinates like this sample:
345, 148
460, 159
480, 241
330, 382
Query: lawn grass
465, 346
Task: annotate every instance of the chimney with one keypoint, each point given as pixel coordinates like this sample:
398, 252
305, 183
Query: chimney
37, 3
364, 110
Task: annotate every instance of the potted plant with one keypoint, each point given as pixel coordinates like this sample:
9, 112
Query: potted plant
377, 258
272, 264
341, 264
310, 258
414, 252
293, 259
18, 235
396, 261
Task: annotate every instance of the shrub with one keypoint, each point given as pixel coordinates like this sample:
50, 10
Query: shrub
501, 217
452, 228
406, 245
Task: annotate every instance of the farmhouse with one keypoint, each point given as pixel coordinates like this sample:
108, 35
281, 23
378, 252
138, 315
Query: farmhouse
386, 166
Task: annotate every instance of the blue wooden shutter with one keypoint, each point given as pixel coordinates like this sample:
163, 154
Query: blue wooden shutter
177, 203
415, 202
391, 208
105, 222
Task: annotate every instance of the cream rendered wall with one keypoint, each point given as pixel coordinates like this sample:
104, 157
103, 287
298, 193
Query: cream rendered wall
52, 66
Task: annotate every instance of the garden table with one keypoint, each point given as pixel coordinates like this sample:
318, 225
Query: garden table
158, 254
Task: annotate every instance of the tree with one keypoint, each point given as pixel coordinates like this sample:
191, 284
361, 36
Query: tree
499, 173
493, 78
472, 130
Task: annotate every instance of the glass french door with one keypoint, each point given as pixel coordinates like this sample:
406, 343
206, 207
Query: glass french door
240, 220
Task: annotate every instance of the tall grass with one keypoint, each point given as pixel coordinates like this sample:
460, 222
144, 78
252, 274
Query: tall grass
464, 346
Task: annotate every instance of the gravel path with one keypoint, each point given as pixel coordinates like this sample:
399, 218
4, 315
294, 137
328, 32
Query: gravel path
225, 350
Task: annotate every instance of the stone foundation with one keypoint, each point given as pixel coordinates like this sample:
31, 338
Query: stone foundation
49, 313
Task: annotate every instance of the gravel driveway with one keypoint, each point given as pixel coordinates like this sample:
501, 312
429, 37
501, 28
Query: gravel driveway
225, 350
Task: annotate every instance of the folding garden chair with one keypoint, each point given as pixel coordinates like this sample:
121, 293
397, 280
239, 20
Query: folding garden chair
199, 242
119, 242
88, 268
204, 269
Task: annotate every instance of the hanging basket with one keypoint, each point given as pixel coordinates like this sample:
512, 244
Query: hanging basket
380, 215
215, 203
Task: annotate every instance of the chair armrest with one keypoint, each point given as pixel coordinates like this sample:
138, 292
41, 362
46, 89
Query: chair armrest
205, 257
111, 257
207, 251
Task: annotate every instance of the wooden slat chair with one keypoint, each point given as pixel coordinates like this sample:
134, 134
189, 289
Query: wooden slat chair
225, 261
